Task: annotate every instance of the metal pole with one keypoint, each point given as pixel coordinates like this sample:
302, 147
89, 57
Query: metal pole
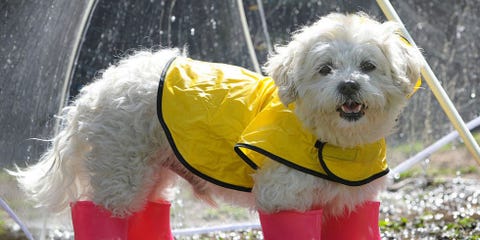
436, 87
12, 214
425, 153
248, 38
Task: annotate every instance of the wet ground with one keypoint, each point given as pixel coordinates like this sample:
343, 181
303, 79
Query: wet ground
432, 209
439, 200
414, 208
418, 208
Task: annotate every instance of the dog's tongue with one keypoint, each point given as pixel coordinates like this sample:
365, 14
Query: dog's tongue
351, 107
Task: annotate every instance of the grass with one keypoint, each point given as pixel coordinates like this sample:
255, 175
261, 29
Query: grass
417, 146
16, 200
235, 213
438, 171
434, 167
408, 148
3, 227
460, 228
5, 232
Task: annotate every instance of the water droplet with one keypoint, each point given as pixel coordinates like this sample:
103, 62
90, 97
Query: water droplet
192, 31
173, 18
438, 216
214, 23
460, 30
420, 26
425, 164
473, 95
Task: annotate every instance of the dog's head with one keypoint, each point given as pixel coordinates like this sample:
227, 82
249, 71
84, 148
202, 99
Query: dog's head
348, 75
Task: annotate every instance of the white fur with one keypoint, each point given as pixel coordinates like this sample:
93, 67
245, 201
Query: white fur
112, 149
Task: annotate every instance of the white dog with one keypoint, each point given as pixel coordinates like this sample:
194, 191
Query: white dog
337, 89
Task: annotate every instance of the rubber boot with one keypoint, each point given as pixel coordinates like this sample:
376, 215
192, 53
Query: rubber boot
94, 222
360, 224
152, 223
292, 225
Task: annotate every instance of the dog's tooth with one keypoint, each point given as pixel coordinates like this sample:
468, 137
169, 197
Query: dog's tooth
351, 107
357, 108
345, 109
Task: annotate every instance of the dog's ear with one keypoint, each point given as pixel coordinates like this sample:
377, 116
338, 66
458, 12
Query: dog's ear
405, 59
413, 59
280, 67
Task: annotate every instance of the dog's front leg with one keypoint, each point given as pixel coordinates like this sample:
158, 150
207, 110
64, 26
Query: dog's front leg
287, 202
278, 188
296, 205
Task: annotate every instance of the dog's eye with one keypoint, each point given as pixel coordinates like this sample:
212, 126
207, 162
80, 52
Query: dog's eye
367, 67
325, 69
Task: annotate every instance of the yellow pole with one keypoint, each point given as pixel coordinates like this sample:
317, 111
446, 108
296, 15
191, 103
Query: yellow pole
437, 89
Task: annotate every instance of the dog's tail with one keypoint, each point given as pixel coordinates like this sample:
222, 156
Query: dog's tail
59, 176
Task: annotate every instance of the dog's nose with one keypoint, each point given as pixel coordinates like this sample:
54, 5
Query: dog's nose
348, 87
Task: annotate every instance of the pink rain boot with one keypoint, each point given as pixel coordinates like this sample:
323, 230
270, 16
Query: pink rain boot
360, 224
292, 225
152, 223
94, 222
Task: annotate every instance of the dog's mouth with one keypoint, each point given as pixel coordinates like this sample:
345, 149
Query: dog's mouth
351, 110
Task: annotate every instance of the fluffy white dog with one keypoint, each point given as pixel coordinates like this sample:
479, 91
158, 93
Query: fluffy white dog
345, 78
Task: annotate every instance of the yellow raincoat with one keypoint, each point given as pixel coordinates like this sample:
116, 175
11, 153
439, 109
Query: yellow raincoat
222, 121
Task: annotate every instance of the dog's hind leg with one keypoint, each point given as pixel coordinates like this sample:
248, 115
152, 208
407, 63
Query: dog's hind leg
153, 221
120, 183
123, 179
123, 166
